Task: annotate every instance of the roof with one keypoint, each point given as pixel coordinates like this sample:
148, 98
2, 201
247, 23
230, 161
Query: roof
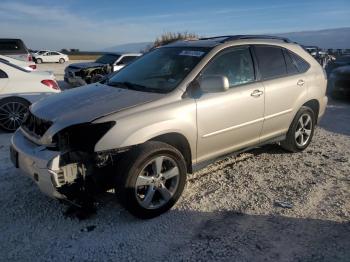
217, 40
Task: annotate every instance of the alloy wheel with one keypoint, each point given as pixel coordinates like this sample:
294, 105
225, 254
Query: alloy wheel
157, 182
303, 130
12, 115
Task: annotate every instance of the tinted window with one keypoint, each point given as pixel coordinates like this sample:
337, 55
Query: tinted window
127, 59
3, 74
12, 46
236, 65
271, 61
301, 64
54, 53
290, 63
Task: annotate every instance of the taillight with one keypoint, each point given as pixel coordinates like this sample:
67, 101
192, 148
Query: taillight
30, 58
32, 67
51, 83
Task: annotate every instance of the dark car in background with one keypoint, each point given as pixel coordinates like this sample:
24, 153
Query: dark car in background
15, 48
338, 72
338, 62
339, 82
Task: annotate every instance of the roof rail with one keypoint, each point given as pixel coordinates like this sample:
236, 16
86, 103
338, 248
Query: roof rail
241, 37
215, 37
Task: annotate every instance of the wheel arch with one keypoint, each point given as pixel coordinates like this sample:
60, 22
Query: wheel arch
315, 106
180, 142
16, 97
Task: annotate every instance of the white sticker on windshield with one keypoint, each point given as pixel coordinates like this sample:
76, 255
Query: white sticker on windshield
191, 53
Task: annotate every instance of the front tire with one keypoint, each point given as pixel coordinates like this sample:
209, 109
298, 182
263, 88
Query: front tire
301, 130
152, 178
39, 61
61, 61
12, 112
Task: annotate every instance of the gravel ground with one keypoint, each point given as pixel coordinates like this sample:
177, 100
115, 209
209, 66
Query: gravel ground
229, 211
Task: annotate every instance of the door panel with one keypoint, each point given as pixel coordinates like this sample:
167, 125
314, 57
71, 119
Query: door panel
229, 120
281, 96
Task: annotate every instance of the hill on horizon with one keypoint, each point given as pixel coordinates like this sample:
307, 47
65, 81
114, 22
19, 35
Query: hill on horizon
336, 38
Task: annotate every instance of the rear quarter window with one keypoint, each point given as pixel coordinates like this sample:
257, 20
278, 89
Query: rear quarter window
300, 63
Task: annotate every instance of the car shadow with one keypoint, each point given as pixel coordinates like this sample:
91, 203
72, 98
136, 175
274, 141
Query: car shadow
337, 117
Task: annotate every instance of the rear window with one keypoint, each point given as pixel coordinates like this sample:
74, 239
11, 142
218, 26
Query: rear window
271, 61
12, 47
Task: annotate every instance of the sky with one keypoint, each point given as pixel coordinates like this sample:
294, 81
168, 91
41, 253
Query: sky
98, 24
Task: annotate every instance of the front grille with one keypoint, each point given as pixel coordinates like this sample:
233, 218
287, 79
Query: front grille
35, 125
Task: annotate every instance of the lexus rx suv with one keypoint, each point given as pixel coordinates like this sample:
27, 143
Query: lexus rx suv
142, 130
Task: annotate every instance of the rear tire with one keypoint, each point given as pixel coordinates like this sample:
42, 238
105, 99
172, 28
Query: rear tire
12, 112
39, 61
301, 131
151, 179
61, 61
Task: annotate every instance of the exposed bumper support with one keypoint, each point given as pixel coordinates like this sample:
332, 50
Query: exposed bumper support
40, 164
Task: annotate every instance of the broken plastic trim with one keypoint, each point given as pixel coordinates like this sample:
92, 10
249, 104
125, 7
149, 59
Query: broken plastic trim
82, 137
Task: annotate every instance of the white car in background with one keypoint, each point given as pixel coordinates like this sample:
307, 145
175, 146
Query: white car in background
28, 65
50, 57
19, 88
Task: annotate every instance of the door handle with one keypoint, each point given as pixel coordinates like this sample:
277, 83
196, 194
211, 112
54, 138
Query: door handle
300, 82
256, 93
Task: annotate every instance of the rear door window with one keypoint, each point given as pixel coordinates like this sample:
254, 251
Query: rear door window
271, 61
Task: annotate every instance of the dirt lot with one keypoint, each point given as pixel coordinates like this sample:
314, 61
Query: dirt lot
229, 211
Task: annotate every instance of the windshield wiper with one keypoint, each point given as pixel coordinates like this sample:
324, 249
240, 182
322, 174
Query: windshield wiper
133, 86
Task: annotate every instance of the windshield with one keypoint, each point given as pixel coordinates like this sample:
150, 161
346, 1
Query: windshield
160, 70
107, 59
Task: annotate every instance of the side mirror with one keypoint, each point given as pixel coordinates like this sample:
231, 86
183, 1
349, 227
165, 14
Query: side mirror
214, 83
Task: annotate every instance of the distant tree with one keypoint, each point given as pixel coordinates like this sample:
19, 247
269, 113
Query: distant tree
74, 50
170, 37
64, 51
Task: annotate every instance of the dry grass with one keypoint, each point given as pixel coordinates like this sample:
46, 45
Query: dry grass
83, 57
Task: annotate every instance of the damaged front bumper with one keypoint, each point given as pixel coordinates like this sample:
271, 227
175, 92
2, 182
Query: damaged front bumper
34, 160
43, 166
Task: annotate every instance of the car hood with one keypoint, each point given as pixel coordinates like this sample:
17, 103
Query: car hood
85, 65
87, 103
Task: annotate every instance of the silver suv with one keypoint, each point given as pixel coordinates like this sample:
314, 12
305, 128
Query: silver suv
142, 130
